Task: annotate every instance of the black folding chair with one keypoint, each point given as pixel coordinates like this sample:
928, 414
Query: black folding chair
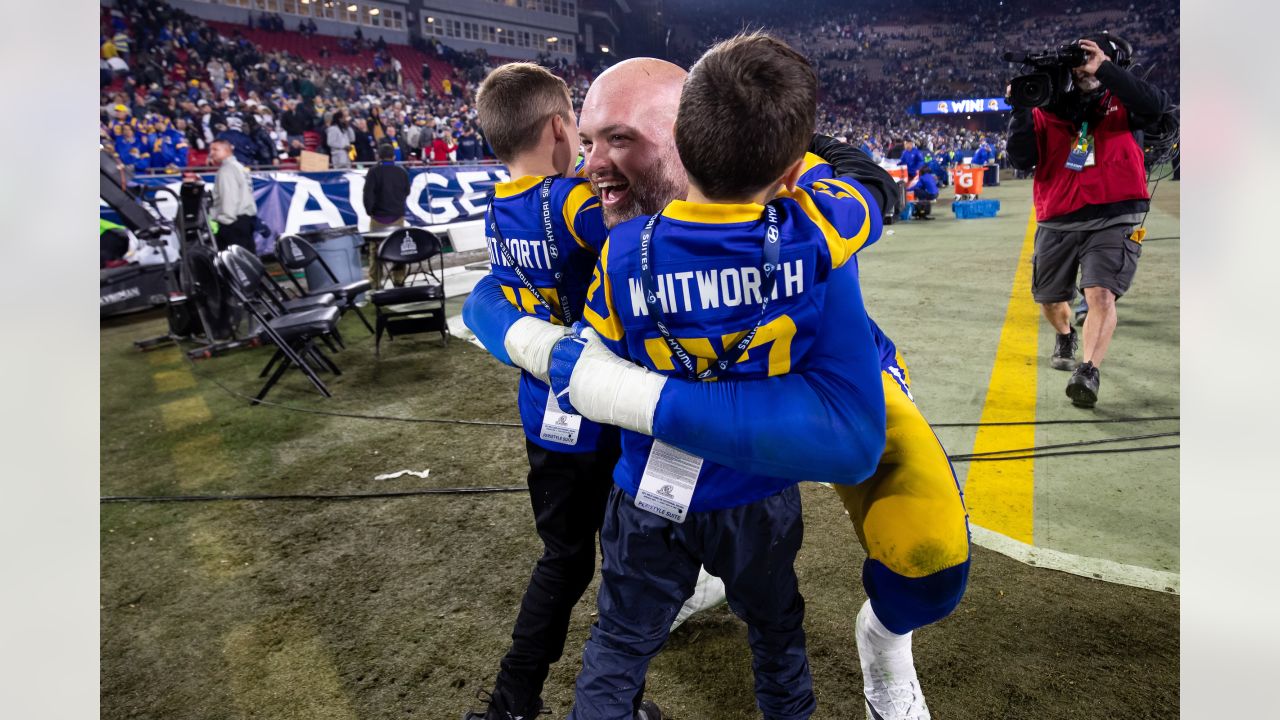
293, 333
273, 294
418, 306
295, 254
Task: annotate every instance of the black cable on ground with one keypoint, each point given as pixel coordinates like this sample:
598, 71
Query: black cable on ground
980, 457
496, 423
1090, 421
1037, 456
312, 496
1057, 446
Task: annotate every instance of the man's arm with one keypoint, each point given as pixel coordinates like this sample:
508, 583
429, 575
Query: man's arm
1144, 101
825, 423
848, 161
488, 315
1022, 148
370, 189
227, 196
512, 336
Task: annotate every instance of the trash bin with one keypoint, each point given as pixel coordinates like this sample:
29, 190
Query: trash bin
340, 249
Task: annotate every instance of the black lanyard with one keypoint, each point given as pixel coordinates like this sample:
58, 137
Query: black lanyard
728, 356
553, 254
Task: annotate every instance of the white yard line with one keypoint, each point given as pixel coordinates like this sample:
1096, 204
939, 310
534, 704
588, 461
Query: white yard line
1096, 568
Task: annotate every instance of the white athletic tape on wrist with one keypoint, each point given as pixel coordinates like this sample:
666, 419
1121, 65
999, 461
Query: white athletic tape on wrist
613, 391
529, 341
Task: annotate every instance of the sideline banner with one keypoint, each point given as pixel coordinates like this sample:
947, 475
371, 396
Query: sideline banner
293, 201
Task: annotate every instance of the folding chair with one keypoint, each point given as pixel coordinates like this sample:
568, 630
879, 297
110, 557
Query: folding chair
277, 299
295, 254
293, 333
418, 306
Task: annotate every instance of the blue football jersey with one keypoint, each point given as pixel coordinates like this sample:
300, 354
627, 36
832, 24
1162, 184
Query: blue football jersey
816, 169
574, 219
707, 280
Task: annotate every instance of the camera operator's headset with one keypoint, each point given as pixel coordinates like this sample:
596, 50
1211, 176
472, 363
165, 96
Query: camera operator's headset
1121, 51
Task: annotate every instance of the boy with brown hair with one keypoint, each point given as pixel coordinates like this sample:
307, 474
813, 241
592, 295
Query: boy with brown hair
544, 234
748, 279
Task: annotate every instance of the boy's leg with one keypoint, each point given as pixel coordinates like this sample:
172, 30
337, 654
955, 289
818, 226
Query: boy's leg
753, 548
646, 573
568, 492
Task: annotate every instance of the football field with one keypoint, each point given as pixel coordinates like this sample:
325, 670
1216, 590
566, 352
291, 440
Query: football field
310, 606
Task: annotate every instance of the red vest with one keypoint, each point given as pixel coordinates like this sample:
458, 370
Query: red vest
1116, 175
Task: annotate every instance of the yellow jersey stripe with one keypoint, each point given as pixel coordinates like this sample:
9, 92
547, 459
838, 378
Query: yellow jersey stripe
811, 161
841, 248
516, 186
610, 327
580, 198
713, 212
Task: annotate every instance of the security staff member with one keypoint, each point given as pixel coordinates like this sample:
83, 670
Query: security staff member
233, 207
1090, 193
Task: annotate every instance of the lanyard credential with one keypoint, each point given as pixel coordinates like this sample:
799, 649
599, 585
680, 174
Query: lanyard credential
728, 356
553, 254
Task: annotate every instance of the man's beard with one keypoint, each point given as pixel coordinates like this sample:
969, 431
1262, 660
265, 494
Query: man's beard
1088, 84
650, 192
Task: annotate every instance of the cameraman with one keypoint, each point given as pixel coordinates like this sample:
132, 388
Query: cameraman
1090, 192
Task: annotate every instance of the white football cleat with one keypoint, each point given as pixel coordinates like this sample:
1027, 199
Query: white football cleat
707, 594
890, 688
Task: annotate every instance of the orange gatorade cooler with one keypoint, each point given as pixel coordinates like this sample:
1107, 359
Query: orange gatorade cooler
967, 179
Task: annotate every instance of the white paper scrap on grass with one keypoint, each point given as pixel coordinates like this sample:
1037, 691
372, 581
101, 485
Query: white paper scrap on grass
416, 473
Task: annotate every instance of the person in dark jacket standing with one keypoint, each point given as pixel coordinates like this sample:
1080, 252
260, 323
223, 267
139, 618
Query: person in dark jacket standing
386, 188
363, 142
1090, 192
469, 146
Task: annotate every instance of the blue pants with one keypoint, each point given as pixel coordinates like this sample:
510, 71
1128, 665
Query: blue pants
650, 567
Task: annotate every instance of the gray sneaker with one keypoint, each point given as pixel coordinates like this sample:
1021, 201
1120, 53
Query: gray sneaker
1064, 351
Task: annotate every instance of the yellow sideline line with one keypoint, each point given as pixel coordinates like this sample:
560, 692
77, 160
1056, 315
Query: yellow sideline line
1000, 495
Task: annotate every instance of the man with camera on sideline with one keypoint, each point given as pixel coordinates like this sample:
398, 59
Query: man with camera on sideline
1090, 192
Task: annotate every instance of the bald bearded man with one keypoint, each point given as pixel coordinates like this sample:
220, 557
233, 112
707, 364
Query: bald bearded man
909, 516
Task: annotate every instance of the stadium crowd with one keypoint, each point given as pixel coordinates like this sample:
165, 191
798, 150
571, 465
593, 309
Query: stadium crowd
178, 83
875, 67
173, 83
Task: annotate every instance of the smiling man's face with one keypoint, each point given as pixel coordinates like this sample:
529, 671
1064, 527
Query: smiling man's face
628, 146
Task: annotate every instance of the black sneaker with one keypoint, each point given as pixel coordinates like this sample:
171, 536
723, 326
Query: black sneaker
1082, 388
648, 711
493, 712
1064, 351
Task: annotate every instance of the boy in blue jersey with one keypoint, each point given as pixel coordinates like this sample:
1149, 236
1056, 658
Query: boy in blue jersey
544, 234
724, 286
